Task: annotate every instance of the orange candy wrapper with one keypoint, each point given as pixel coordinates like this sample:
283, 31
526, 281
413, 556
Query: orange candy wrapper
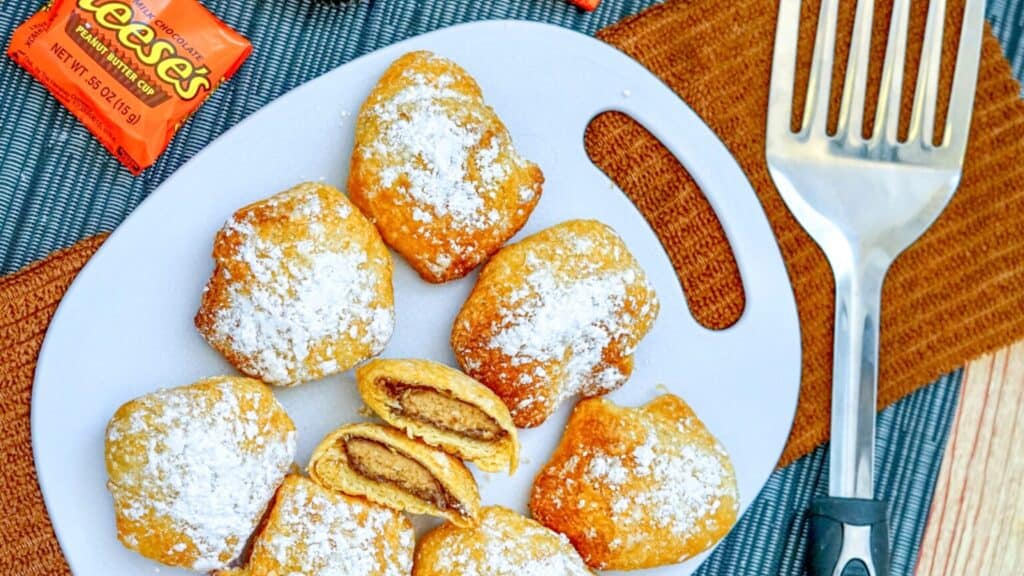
588, 5
131, 70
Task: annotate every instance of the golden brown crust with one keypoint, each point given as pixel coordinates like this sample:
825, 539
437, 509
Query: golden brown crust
495, 449
386, 466
503, 544
312, 530
637, 487
556, 314
434, 167
301, 289
192, 469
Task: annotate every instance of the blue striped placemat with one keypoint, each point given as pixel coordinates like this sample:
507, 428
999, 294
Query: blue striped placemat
57, 186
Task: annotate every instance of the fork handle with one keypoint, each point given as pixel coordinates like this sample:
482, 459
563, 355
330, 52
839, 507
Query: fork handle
848, 530
848, 537
859, 276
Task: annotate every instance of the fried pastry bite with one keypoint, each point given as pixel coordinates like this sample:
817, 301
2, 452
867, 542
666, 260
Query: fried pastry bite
301, 289
557, 314
313, 531
434, 167
386, 466
503, 544
444, 408
637, 487
193, 468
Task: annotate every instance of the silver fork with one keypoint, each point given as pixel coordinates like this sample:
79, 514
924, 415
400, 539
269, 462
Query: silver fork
864, 200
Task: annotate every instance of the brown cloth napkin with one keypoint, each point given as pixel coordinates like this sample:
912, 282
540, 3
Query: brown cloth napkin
28, 300
957, 293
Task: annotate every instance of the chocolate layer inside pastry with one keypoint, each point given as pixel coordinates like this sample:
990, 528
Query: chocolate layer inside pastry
440, 409
382, 463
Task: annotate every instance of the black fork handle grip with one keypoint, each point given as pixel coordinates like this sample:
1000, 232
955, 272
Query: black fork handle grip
848, 537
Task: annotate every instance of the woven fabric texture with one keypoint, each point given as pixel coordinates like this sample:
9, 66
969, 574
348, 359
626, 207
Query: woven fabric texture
28, 300
57, 186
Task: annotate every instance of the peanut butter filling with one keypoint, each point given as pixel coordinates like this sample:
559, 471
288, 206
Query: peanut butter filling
384, 464
441, 410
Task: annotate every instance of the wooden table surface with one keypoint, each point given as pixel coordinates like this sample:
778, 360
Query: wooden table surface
976, 522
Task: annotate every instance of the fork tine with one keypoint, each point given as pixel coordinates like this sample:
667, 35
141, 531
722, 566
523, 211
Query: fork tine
780, 95
965, 78
890, 91
851, 110
926, 94
819, 84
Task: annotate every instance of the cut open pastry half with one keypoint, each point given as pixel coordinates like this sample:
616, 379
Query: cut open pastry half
443, 407
387, 467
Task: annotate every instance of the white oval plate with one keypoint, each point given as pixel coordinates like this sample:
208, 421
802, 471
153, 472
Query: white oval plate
125, 326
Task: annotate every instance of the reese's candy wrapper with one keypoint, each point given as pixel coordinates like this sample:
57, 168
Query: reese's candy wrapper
131, 70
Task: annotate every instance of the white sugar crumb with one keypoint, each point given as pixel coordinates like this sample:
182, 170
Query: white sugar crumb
308, 207
314, 533
421, 215
492, 173
444, 261
305, 293
610, 377
208, 474
681, 486
582, 244
609, 469
526, 194
498, 550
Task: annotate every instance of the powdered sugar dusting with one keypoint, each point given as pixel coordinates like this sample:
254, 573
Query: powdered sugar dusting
682, 486
305, 293
317, 532
432, 148
209, 468
558, 318
497, 548
492, 173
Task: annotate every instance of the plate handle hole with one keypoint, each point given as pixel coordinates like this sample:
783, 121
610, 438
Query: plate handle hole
675, 207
